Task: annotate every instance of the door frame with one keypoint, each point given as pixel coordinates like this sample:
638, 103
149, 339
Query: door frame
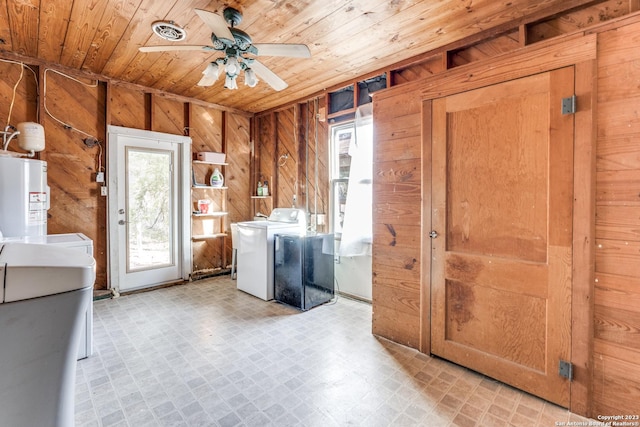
529, 61
183, 196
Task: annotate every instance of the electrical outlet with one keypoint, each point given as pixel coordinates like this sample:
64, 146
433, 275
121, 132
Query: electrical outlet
103, 190
100, 177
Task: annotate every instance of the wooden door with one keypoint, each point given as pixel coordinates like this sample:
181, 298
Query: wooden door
502, 207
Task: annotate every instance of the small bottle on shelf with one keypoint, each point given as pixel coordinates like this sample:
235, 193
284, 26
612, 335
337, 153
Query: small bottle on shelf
259, 190
265, 189
217, 180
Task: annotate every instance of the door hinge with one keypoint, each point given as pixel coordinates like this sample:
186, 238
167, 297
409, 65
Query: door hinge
569, 105
565, 370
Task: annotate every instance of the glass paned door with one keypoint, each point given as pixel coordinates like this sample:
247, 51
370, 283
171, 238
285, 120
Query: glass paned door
150, 209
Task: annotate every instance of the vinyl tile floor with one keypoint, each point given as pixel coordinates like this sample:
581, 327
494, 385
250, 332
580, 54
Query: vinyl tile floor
206, 354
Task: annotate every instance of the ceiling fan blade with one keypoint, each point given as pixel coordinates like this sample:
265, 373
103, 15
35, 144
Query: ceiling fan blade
217, 24
174, 47
283, 49
268, 76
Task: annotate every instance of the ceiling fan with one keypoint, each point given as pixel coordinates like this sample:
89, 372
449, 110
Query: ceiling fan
239, 52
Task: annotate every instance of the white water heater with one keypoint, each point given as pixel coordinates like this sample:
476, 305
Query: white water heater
24, 197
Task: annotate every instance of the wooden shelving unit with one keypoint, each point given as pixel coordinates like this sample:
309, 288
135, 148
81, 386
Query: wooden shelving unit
268, 200
211, 214
210, 225
200, 162
208, 236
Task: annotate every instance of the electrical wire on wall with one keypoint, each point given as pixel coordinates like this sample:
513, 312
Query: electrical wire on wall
13, 96
15, 89
46, 109
89, 140
100, 170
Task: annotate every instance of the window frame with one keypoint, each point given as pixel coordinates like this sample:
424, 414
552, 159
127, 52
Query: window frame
335, 179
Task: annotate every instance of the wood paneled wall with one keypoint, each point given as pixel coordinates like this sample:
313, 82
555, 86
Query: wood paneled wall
299, 132
401, 292
25, 106
423, 69
265, 159
168, 116
287, 177
76, 204
237, 143
314, 154
77, 107
79, 103
397, 206
579, 18
128, 108
616, 379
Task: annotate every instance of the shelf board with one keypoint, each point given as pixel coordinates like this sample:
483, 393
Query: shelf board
260, 197
208, 187
208, 236
201, 162
213, 214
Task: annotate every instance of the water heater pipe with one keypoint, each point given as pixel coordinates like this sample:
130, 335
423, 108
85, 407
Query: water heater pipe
6, 140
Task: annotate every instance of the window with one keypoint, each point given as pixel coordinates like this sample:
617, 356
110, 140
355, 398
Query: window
340, 166
351, 178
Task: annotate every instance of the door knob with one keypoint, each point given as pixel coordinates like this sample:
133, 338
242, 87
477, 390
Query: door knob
122, 222
433, 234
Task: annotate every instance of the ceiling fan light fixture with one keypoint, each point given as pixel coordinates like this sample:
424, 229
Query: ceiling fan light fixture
235, 49
233, 66
218, 44
250, 78
242, 40
168, 30
230, 82
232, 16
210, 75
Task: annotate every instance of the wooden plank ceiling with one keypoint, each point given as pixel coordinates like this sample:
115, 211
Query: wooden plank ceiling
347, 39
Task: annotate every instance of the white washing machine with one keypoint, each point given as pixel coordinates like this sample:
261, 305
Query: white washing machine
43, 297
255, 249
